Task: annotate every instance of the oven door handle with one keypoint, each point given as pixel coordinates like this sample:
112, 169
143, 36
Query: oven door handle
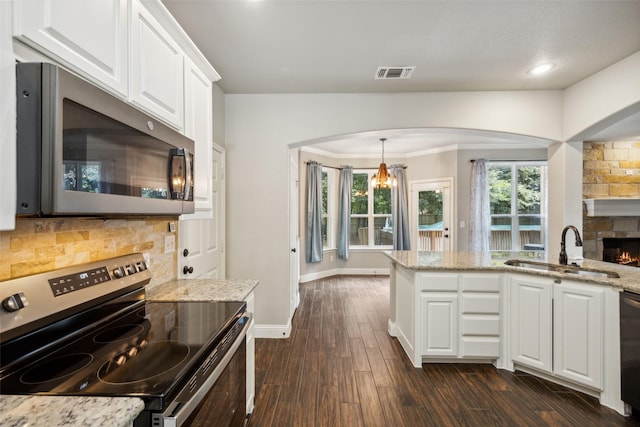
177, 418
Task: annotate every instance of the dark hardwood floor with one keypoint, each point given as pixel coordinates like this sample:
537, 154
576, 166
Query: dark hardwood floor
340, 367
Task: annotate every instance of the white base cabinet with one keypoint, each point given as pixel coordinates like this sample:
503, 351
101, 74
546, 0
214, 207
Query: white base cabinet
557, 328
439, 324
446, 316
578, 333
251, 356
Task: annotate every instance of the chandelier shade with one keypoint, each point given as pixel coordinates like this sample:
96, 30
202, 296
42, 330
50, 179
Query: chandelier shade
383, 179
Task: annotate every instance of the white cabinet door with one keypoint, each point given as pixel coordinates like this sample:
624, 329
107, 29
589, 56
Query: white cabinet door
578, 333
157, 71
531, 322
90, 37
439, 324
198, 126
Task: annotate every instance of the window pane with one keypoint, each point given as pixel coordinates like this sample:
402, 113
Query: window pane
359, 231
359, 194
383, 234
531, 237
382, 201
529, 195
500, 189
324, 193
500, 234
324, 231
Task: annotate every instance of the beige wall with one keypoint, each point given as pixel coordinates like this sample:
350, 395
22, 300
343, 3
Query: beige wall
38, 245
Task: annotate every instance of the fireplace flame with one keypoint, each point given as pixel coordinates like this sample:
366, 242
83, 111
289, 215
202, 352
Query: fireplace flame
627, 259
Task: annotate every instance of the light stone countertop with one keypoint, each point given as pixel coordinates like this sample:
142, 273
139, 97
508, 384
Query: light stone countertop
201, 290
77, 411
490, 261
68, 411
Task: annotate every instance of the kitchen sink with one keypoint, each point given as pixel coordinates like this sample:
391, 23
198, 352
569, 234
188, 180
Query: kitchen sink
568, 269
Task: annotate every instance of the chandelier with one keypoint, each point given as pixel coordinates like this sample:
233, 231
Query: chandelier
383, 179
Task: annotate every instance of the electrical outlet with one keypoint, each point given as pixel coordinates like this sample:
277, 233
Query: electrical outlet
169, 243
170, 321
628, 172
331, 257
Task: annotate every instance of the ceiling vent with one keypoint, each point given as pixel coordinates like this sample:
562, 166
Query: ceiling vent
385, 73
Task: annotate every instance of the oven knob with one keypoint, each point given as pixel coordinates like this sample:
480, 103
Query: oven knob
131, 269
118, 272
15, 302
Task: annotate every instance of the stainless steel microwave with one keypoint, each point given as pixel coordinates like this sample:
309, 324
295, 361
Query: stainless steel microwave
82, 151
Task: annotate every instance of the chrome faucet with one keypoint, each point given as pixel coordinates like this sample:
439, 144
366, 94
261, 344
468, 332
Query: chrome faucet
563, 252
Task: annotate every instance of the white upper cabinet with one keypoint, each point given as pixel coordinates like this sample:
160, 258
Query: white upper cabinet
157, 68
90, 37
198, 126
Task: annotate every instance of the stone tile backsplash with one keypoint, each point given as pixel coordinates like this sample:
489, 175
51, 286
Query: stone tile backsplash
43, 244
610, 170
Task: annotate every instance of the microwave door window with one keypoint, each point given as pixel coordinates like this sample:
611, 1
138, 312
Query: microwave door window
101, 155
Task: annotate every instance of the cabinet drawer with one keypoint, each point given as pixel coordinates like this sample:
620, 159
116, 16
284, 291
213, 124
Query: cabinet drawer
480, 347
481, 282
480, 325
481, 303
437, 282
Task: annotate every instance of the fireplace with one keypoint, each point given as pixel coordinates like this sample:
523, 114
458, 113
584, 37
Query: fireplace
624, 251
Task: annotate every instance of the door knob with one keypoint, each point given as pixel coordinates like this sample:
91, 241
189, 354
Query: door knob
187, 270
293, 250
185, 253
446, 235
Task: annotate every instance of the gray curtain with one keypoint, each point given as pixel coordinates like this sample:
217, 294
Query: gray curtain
400, 211
479, 215
344, 211
314, 212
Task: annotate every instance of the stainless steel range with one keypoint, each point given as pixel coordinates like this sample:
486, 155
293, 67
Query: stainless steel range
88, 330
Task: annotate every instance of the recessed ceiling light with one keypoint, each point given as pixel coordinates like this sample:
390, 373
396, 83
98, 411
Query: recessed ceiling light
541, 68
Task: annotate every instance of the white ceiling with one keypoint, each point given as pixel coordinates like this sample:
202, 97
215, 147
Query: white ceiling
335, 46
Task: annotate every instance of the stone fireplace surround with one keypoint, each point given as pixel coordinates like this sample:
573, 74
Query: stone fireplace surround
610, 170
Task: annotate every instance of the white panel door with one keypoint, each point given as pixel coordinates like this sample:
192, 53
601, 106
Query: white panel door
157, 73
578, 333
204, 239
432, 215
294, 234
90, 37
439, 324
531, 322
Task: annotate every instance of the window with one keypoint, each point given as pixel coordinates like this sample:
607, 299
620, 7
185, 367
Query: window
518, 200
370, 206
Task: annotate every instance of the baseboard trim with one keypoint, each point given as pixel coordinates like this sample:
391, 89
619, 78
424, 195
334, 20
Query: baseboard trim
344, 272
273, 331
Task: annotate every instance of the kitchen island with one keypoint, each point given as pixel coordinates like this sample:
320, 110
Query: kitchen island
77, 411
471, 307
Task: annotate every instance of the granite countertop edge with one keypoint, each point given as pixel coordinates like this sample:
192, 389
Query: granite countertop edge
487, 261
202, 290
71, 411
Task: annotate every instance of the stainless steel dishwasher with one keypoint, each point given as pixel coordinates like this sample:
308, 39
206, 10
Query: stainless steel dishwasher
630, 348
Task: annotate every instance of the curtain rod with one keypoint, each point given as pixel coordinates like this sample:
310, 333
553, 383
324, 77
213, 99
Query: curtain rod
511, 160
359, 167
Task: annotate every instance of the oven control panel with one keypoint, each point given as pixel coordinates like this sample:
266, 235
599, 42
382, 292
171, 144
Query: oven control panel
25, 302
74, 282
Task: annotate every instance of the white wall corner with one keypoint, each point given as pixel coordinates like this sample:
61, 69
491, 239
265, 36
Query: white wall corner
565, 195
273, 331
602, 99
